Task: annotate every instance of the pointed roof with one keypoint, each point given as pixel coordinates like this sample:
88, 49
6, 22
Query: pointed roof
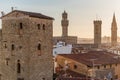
114, 18
64, 12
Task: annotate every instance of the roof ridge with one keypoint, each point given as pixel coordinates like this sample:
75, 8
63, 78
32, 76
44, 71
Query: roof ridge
32, 14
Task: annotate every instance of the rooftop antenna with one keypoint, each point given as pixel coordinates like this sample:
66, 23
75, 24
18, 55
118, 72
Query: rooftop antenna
2, 13
12, 8
15, 8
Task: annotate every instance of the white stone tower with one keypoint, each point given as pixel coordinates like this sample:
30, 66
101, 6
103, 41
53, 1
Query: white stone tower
114, 31
64, 24
26, 52
97, 32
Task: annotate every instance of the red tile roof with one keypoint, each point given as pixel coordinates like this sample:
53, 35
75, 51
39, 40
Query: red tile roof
102, 57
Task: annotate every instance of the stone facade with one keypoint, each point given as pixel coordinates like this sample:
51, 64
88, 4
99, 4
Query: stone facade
114, 32
26, 52
65, 37
97, 32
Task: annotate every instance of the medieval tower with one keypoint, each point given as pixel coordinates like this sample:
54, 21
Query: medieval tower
64, 24
97, 32
26, 52
114, 32
65, 37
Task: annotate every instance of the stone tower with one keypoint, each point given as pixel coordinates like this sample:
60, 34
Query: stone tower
64, 24
26, 46
97, 32
114, 32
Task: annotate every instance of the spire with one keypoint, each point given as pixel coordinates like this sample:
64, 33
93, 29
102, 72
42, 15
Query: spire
64, 13
114, 19
114, 31
114, 23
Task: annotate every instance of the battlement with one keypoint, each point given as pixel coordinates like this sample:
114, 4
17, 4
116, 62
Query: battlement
97, 21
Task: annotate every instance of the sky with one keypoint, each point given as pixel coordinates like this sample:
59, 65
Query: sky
81, 14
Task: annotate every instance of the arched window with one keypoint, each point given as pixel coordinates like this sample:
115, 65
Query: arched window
39, 46
43, 26
21, 26
12, 47
18, 67
5, 44
38, 25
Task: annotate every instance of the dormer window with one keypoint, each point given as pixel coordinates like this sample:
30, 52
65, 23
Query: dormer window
21, 26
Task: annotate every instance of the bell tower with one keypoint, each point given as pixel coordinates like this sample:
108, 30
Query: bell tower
97, 32
114, 31
64, 23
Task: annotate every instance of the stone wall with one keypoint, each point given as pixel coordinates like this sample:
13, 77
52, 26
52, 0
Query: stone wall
36, 64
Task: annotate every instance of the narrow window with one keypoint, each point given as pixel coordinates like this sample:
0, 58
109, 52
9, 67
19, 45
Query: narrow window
0, 76
98, 67
18, 67
12, 47
75, 66
5, 46
20, 78
43, 78
39, 46
7, 61
38, 26
43, 26
21, 26
110, 65
104, 66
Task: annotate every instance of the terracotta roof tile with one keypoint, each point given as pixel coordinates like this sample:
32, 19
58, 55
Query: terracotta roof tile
102, 57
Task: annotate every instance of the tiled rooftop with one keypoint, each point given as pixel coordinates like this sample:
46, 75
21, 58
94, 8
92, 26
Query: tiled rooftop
101, 57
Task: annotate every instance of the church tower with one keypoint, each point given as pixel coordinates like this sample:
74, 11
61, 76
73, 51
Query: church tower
97, 32
114, 32
64, 24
